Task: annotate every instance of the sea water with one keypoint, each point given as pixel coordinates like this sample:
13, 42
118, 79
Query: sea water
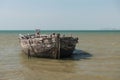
97, 57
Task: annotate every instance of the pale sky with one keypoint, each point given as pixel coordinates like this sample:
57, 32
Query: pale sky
59, 14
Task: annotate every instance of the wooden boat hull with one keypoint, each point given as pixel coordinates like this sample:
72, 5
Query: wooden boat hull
52, 53
62, 47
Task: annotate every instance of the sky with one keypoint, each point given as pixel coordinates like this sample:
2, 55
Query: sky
59, 14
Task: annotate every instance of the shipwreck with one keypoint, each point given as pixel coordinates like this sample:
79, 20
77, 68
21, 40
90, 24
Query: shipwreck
50, 46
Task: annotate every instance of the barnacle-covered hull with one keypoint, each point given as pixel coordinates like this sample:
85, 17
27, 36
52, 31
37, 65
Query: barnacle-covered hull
48, 46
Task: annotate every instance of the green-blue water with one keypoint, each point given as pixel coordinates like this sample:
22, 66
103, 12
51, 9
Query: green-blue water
61, 31
100, 62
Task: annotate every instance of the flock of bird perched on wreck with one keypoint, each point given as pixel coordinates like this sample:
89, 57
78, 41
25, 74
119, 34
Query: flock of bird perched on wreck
50, 46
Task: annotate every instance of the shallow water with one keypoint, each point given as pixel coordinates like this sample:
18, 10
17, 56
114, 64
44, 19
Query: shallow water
97, 58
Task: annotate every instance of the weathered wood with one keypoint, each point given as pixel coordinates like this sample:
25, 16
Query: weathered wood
29, 56
53, 46
58, 45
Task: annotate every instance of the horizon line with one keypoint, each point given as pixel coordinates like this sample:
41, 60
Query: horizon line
61, 30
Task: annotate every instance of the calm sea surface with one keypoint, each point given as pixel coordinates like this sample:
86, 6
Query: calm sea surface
97, 57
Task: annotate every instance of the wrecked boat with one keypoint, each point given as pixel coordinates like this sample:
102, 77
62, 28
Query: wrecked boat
49, 46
